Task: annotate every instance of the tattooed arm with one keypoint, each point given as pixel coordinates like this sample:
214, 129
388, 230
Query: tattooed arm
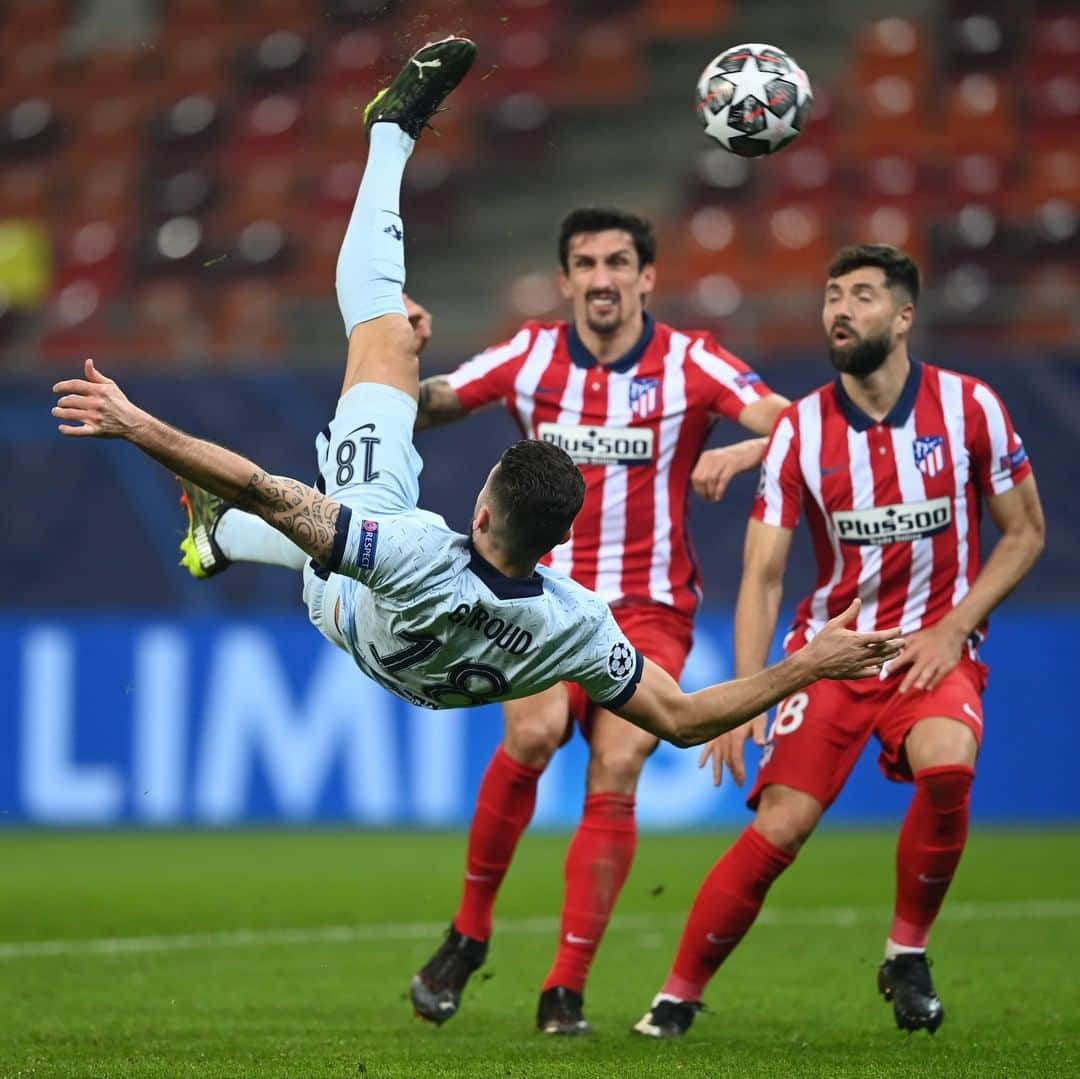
438, 403
96, 406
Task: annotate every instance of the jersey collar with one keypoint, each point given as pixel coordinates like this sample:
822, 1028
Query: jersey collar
504, 587
582, 357
898, 414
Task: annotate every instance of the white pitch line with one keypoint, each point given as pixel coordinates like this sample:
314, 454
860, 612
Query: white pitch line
1036, 909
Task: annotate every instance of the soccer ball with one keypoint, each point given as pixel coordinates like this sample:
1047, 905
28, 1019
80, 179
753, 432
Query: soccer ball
753, 99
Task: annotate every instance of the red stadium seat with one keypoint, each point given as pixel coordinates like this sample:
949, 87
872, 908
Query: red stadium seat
601, 64
685, 19
890, 46
883, 221
978, 116
248, 323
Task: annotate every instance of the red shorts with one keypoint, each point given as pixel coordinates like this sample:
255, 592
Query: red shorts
819, 732
660, 633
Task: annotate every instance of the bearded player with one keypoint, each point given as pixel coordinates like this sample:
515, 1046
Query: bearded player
892, 463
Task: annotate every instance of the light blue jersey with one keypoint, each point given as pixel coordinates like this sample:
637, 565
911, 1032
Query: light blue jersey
419, 610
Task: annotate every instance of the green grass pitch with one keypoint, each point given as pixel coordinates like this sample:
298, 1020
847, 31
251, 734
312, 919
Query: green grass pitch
288, 954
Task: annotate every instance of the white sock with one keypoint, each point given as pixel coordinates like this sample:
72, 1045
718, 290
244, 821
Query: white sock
243, 537
371, 265
892, 949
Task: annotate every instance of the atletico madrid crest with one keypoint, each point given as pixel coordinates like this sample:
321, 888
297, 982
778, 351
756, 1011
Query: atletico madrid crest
929, 453
644, 396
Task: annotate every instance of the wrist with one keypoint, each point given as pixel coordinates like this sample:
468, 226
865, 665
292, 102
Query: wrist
956, 627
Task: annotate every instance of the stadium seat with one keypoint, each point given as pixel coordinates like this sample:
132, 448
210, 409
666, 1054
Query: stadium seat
975, 235
883, 221
685, 18
890, 46
981, 38
600, 64
978, 116
32, 67
29, 128
1052, 108
801, 174
355, 61
95, 251
1053, 174
720, 177
248, 323
518, 126
168, 324
280, 59
188, 125
193, 64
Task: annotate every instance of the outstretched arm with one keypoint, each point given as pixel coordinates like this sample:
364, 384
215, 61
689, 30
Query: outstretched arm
95, 406
689, 719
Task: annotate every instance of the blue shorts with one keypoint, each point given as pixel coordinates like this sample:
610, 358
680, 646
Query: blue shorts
367, 461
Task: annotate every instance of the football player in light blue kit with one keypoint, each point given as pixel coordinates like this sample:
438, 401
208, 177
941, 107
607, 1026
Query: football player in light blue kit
439, 618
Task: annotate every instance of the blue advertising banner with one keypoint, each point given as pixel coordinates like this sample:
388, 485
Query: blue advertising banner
221, 722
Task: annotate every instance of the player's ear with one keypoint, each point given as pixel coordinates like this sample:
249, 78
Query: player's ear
648, 279
482, 519
566, 537
905, 317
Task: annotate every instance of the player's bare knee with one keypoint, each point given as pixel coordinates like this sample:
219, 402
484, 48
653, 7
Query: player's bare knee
786, 818
532, 745
616, 767
937, 742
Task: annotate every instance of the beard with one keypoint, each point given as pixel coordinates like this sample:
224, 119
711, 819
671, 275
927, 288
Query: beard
862, 355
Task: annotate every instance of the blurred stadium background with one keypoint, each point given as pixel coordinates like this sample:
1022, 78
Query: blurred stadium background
174, 184
175, 177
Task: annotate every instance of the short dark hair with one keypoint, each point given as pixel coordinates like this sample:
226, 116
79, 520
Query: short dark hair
600, 219
899, 268
538, 490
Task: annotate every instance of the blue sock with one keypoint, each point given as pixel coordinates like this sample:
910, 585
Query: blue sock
371, 265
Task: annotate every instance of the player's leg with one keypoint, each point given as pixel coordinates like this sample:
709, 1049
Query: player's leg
597, 863
602, 850
371, 265
534, 728
938, 754
814, 742
219, 535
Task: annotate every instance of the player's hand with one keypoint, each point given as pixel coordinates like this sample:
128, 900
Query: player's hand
715, 469
838, 652
729, 749
420, 320
929, 655
95, 406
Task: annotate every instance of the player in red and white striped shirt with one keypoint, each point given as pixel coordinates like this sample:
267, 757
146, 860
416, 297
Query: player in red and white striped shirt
891, 464
632, 401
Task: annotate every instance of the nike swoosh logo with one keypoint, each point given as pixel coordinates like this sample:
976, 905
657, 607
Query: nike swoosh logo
573, 938
712, 938
830, 471
478, 877
547, 389
934, 880
968, 710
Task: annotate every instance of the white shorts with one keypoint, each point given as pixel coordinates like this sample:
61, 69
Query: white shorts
367, 462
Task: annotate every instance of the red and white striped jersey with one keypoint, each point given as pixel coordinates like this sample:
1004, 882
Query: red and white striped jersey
635, 428
893, 507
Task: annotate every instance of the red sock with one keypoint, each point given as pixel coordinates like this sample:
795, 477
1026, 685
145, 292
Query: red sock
928, 852
504, 808
726, 905
597, 863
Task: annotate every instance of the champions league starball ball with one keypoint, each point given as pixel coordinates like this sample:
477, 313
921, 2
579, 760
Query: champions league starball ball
753, 99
